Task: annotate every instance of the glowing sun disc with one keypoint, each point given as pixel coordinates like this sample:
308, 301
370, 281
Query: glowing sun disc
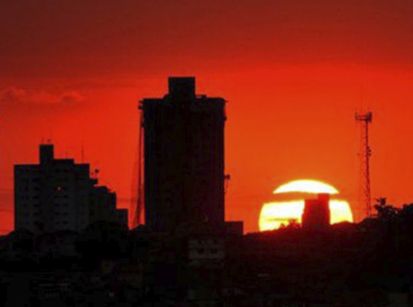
306, 186
277, 213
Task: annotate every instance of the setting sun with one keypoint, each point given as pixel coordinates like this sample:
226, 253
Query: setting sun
306, 186
289, 204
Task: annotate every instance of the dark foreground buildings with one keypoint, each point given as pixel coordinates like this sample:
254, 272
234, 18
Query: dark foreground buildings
316, 215
58, 194
365, 264
184, 158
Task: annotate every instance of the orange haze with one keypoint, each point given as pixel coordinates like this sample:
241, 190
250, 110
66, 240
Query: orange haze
293, 72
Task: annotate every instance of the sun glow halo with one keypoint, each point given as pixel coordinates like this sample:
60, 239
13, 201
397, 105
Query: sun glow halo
277, 213
306, 186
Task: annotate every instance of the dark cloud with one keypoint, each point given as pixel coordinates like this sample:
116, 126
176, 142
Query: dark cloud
71, 97
18, 95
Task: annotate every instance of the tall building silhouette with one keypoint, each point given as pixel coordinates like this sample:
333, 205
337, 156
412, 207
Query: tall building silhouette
316, 215
58, 194
184, 157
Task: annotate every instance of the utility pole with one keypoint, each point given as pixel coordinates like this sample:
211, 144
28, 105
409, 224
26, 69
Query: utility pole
365, 153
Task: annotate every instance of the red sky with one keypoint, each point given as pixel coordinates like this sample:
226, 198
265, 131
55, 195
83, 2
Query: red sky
293, 72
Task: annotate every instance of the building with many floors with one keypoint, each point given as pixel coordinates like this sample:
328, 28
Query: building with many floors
59, 194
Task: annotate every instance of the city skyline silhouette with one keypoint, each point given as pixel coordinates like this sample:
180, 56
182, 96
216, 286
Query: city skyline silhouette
282, 67
206, 153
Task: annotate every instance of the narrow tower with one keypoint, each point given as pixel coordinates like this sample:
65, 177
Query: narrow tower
137, 205
365, 153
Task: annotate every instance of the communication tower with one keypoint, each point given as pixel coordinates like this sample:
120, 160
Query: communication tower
365, 120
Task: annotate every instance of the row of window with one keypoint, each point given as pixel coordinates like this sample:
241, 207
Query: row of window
213, 251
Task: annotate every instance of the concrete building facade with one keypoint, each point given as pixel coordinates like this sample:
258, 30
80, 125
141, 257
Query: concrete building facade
58, 194
184, 157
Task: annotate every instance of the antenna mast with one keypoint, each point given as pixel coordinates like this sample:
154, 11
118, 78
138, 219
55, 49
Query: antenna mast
365, 153
140, 200
137, 199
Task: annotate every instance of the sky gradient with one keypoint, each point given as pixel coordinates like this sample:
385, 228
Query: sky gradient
293, 72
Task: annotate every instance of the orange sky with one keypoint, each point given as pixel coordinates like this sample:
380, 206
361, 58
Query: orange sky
293, 72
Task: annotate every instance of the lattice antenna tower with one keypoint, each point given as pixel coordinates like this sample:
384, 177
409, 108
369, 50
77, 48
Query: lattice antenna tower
365, 119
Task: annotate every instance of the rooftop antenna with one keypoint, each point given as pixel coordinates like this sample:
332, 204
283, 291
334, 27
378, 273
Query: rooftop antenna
365, 120
82, 153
